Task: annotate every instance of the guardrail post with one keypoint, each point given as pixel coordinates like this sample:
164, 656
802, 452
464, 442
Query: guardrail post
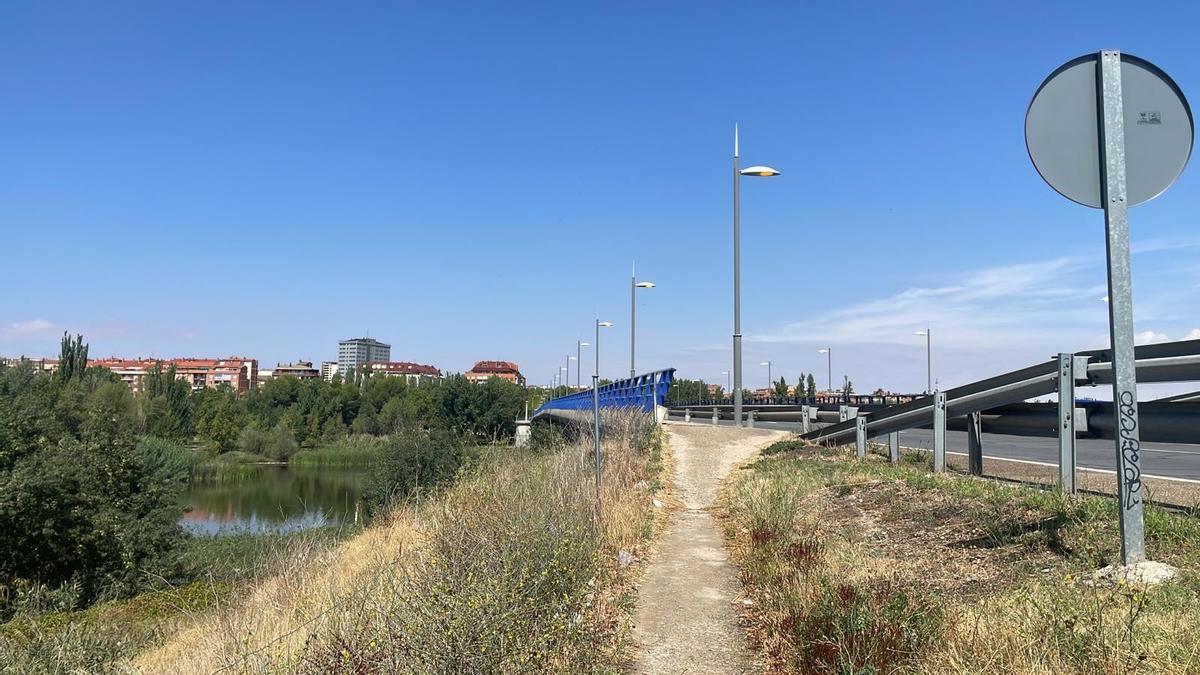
687, 415
716, 416
1066, 423
894, 447
860, 436
750, 419
806, 421
975, 443
939, 431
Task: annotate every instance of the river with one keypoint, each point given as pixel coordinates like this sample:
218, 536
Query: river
269, 498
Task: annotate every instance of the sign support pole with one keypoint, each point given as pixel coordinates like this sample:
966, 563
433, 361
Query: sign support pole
1120, 308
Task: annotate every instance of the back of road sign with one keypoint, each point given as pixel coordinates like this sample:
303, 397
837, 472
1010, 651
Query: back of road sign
1063, 139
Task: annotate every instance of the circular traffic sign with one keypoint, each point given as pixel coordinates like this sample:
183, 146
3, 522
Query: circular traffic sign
1063, 122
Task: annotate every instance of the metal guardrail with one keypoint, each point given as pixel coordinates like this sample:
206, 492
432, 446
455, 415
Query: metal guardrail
1166, 362
644, 392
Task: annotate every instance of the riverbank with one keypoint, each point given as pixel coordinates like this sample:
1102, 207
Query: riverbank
214, 571
507, 570
852, 565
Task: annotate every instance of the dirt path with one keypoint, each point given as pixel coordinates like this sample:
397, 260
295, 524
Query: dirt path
685, 620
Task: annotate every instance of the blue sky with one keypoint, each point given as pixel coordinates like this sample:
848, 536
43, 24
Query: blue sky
470, 181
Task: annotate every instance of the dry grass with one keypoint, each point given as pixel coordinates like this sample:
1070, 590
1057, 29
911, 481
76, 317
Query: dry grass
865, 567
505, 571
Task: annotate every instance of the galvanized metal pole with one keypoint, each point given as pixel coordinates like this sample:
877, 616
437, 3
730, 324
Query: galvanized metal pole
737, 289
928, 359
939, 431
975, 443
894, 447
578, 361
860, 436
1066, 423
806, 421
596, 415
1120, 309
632, 320
829, 365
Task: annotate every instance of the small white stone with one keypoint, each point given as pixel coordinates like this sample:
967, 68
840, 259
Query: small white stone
657, 504
1146, 572
624, 558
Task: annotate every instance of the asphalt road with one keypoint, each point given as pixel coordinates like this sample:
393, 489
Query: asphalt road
1173, 460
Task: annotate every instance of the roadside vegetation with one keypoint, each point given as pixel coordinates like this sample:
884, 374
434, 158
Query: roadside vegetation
865, 567
506, 569
92, 478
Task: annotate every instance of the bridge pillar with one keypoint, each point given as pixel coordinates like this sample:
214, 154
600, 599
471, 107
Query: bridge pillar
894, 447
975, 443
939, 431
860, 436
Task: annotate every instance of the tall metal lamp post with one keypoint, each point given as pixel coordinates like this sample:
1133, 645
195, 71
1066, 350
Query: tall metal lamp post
634, 285
728, 386
596, 408
579, 345
763, 171
927, 333
770, 382
828, 351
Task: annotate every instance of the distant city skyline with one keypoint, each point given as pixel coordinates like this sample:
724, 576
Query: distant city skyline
473, 184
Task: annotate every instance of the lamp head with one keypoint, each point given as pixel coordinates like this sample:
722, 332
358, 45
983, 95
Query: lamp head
645, 284
604, 324
764, 171
822, 351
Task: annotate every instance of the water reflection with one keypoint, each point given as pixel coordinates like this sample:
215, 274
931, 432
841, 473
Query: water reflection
266, 498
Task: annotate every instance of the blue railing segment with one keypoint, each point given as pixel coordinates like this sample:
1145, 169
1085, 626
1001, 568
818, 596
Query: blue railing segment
643, 392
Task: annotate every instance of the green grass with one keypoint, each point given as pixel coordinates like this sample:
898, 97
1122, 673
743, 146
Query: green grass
351, 452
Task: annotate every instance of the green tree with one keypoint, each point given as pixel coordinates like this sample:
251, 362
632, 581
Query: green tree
812, 386
781, 387
166, 404
72, 357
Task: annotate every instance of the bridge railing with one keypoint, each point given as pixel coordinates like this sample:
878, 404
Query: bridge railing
643, 392
833, 400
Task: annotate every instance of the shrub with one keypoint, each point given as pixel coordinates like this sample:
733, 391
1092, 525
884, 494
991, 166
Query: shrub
414, 460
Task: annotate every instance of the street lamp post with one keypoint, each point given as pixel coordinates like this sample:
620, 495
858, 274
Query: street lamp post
828, 364
927, 334
728, 386
569, 360
634, 284
596, 409
770, 382
579, 345
764, 171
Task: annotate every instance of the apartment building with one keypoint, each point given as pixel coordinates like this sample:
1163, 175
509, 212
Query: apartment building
357, 352
413, 372
505, 370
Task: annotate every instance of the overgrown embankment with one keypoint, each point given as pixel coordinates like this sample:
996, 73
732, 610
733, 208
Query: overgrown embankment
855, 567
506, 570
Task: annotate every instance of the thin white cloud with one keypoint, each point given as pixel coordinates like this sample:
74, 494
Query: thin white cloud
1006, 306
31, 327
1149, 337
1193, 334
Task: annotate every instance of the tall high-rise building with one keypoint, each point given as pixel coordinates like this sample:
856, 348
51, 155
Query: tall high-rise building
357, 352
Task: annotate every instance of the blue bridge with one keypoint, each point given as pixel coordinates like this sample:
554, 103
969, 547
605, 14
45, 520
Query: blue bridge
644, 392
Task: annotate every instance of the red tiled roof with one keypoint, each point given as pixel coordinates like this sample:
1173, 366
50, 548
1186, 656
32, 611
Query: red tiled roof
405, 368
495, 367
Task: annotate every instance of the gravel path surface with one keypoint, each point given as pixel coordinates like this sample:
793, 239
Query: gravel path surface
686, 622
